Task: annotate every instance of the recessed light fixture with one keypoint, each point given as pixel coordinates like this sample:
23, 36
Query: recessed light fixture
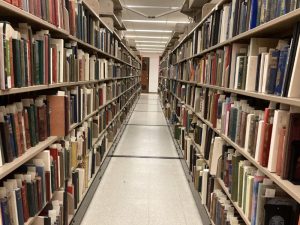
151, 37
156, 42
150, 31
152, 7
156, 21
157, 49
143, 45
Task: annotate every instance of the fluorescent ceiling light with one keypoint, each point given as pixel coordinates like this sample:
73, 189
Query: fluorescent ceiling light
151, 7
150, 31
156, 42
156, 21
143, 45
152, 37
157, 49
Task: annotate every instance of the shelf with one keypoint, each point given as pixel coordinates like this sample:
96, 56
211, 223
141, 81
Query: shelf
8, 9
117, 23
287, 186
113, 119
199, 24
73, 126
267, 97
7, 168
58, 85
277, 26
236, 206
70, 217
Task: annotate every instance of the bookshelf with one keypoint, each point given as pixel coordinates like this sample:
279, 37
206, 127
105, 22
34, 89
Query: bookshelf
98, 95
190, 75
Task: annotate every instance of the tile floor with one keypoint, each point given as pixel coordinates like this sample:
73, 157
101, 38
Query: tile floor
144, 191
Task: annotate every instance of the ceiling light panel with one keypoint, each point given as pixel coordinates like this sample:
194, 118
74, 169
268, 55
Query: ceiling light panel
151, 7
156, 21
149, 41
150, 31
143, 45
152, 37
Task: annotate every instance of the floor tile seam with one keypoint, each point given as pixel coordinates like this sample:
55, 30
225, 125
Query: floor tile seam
144, 157
146, 125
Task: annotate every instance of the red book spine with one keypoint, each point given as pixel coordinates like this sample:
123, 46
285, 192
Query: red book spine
9, 1
48, 186
54, 155
15, 2
281, 150
267, 142
20, 119
17, 134
31, 6
55, 13
263, 135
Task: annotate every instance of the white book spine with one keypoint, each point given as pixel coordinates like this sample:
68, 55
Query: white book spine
259, 140
280, 120
251, 73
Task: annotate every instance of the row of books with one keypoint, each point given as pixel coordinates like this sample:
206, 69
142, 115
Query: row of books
267, 133
209, 157
266, 66
25, 123
78, 20
231, 19
216, 202
35, 58
33, 190
30, 188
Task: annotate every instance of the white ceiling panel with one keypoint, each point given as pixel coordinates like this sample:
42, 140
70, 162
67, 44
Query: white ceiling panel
151, 8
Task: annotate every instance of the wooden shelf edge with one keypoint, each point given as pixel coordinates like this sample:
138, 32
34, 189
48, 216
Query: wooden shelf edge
262, 96
7, 168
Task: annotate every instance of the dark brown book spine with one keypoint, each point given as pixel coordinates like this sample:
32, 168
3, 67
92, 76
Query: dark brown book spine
42, 118
27, 130
24, 202
20, 119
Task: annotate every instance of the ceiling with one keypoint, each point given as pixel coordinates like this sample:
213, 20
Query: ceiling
151, 34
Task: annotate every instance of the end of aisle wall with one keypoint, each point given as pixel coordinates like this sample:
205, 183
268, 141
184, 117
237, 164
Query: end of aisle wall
153, 71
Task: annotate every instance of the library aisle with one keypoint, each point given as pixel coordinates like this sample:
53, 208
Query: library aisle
144, 183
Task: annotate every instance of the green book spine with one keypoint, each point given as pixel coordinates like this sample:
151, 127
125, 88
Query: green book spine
240, 184
41, 62
35, 123
36, 61
17, 62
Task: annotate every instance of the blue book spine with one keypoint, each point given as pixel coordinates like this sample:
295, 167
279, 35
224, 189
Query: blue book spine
232, 123
253, 15
273, 71
19, 206
282, 65
41, 173
12, 142
4, 211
